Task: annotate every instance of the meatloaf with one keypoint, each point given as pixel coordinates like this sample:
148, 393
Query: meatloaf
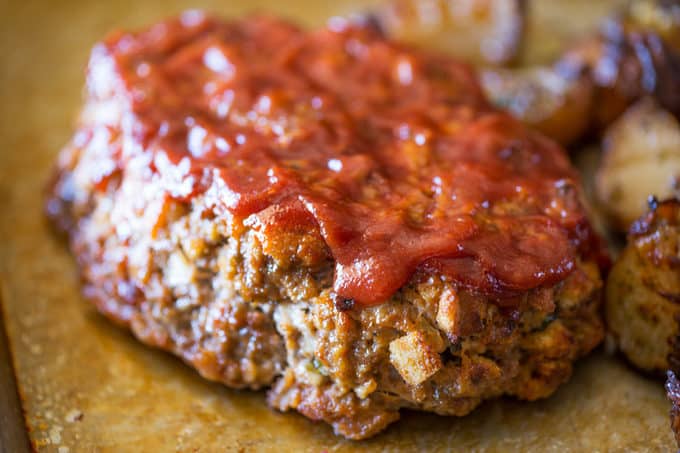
336, 217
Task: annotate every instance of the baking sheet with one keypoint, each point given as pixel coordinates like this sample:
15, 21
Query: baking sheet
13, 437
89, 386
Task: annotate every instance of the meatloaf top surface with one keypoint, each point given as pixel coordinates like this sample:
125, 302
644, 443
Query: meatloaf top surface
392, 155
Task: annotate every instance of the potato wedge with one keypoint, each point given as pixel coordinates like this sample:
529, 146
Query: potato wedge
554, 101
643, 290
478, 31
641, 158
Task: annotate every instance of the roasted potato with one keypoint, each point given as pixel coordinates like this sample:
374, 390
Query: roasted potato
478, 31
635, 54
641, 157
595, 81
632, 56
555, 101
654, 30
615, 79
643, 290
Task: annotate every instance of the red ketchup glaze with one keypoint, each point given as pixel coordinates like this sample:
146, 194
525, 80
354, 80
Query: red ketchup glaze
393, 154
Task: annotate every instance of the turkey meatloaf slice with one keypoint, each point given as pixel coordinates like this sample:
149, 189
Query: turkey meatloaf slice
327, 214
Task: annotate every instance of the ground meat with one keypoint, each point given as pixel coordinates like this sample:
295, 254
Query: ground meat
253, 305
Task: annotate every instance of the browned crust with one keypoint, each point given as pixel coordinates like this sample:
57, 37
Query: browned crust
268, 298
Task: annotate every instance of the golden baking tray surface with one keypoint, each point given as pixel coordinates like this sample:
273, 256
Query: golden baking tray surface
88, 386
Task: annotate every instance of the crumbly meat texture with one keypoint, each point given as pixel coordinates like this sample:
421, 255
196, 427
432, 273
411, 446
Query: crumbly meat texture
257, 311
254, 308
643, 290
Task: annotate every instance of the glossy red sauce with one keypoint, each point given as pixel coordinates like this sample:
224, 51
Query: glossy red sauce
395, 153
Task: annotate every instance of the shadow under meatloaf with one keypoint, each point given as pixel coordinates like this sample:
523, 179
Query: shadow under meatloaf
254, 307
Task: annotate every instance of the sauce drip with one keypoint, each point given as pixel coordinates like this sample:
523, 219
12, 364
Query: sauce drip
395, 153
